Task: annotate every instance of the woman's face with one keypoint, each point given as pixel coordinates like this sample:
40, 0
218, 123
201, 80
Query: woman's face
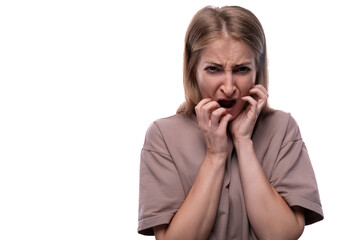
225, 73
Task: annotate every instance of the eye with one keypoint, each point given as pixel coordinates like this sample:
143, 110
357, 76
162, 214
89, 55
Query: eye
212, 69
242, 69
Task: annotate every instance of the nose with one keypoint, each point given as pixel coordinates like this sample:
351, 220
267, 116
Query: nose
228, 85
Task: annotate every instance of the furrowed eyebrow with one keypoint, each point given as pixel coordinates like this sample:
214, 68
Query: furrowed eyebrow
234, 66
242, 64
212, 63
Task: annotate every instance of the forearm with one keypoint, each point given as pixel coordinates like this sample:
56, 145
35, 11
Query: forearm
196, 216
269, 214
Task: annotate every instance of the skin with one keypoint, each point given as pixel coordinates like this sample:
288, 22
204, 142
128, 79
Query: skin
226, 71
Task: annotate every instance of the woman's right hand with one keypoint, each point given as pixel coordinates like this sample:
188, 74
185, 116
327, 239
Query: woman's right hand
213, 121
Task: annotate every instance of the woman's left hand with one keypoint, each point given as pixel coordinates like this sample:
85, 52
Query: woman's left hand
242, 126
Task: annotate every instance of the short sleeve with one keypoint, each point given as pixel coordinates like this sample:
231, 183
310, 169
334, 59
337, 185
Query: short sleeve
160, 192
293, 176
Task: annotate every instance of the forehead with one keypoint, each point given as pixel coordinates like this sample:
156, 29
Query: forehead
227, 50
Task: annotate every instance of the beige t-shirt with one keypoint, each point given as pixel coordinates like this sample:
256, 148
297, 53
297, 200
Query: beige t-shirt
174, 150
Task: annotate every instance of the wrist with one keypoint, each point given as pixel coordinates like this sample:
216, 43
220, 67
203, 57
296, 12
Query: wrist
216, 159
243, 142
244, 150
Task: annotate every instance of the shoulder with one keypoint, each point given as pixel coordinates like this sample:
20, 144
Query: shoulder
279, 125
166, 121
179, 120
278, 118
175, 124
170, 127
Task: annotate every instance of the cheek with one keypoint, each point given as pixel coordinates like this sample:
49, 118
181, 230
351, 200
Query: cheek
200, 82
251, 82
245, 86
202, 88
207, 86
253, 78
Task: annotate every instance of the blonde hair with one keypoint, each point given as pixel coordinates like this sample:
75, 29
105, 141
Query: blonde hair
212, 23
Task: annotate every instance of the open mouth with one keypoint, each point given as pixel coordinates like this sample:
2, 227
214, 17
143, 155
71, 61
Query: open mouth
227, 103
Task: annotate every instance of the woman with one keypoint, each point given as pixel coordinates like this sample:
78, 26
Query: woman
226, 166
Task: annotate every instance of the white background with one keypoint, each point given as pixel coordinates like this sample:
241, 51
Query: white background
80, 82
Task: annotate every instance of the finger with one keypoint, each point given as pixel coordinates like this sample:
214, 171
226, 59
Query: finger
260, 91
225, 121
252, 103
202, 103
261, 95
204, 110
250, 100
199, 106
199, 115
216, 116
262, 88
208, 108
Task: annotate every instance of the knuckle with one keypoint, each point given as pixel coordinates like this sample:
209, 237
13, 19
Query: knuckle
216, 114
202, 128
205, 108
